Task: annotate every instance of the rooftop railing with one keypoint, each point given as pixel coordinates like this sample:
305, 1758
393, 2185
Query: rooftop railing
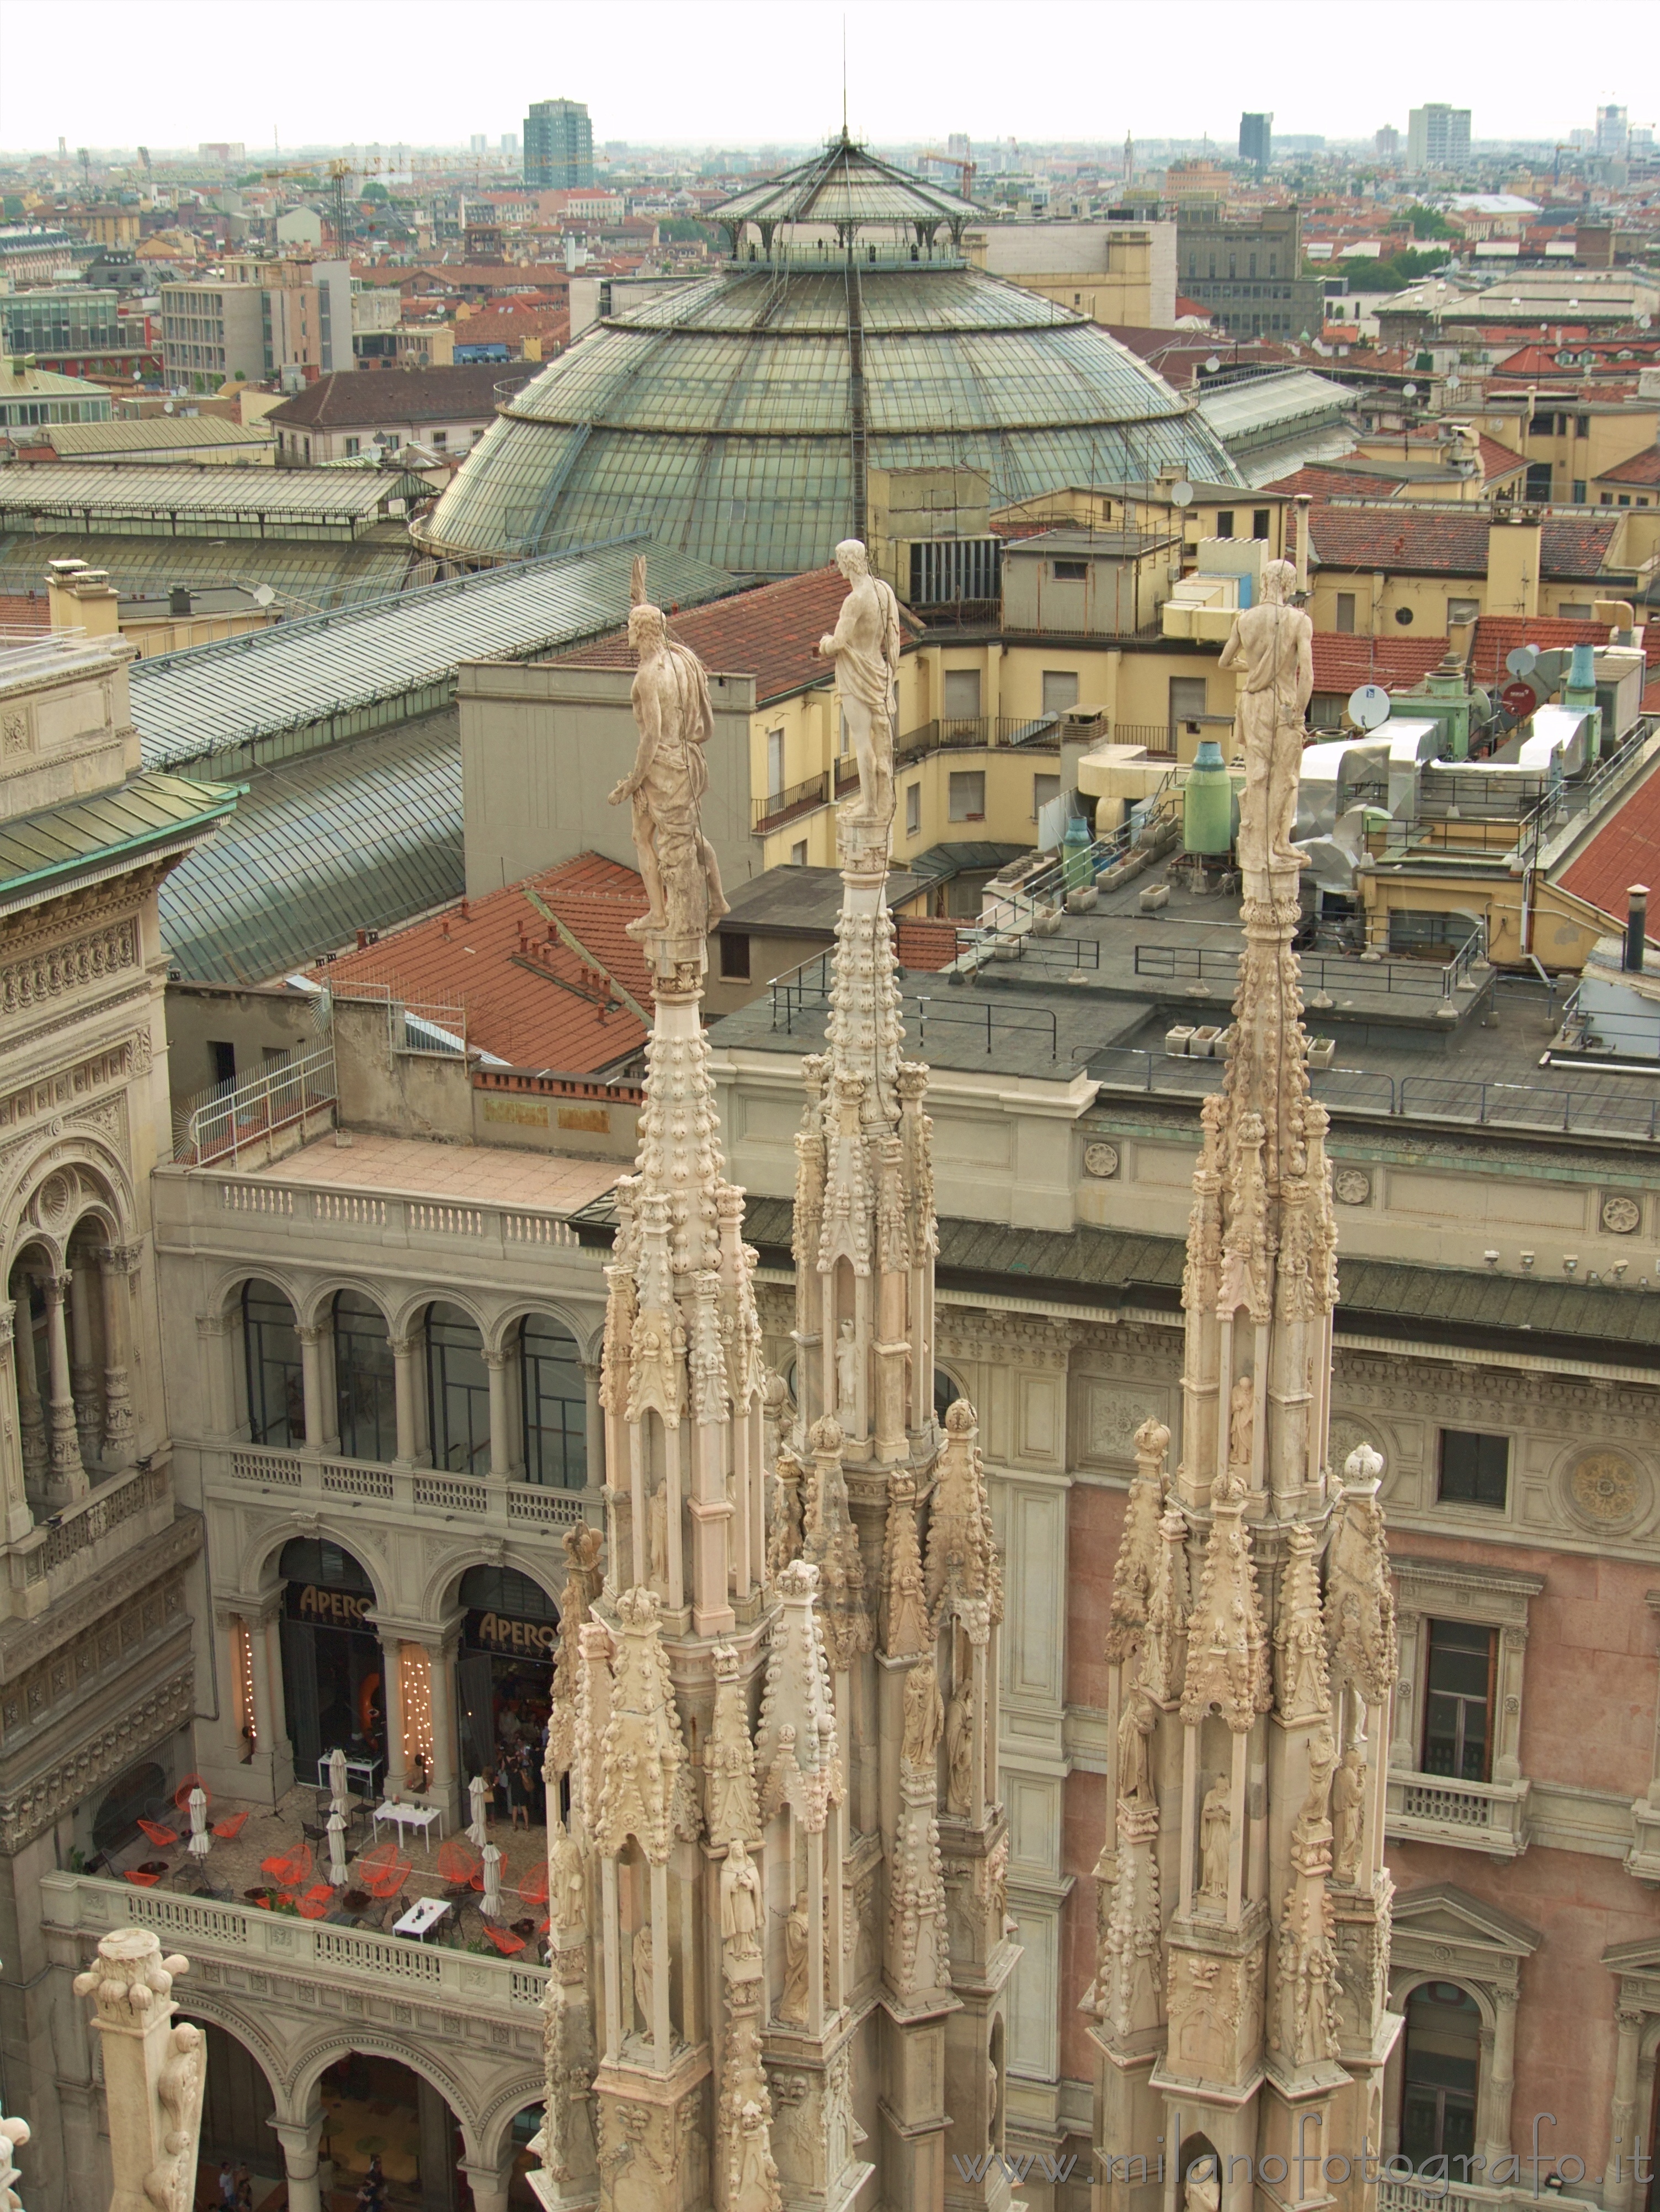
235, 1118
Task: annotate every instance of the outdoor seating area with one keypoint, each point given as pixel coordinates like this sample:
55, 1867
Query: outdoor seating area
307, 1858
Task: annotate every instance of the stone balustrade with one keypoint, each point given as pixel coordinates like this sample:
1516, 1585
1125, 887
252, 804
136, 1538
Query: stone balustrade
232, 1471
1482, 1816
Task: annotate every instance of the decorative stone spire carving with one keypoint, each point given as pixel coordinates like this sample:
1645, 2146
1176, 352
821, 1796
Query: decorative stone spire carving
154, 2073
645, 1789
1242, 1858
582, 1547
729, 1764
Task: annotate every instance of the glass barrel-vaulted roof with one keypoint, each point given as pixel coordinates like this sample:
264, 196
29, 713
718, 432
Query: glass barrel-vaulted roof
734, 416
846, 185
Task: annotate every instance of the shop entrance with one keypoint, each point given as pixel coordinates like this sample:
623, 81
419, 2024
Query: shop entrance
333, 1669
505, 1667
377, 2109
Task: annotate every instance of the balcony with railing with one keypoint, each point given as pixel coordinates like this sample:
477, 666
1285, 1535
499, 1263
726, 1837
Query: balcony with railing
414, 1494
80, 1539
1480, 1816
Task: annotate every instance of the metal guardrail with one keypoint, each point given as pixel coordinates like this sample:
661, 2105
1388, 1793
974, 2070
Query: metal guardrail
804, 993
1407, 1097
1320, 972
977, 733
247, 1114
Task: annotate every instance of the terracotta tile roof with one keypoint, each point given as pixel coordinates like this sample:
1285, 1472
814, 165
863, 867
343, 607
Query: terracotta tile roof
1496, 635
1327, 484
23, 611
348, 398
1642, 468
1498, 461
530, 998
770, 634
1625, 851
1343, 663
1450, 544
922, 942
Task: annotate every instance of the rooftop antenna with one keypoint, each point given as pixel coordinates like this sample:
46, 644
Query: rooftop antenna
844, 80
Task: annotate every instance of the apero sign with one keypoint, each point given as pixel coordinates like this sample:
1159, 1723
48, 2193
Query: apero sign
331, 1609
499, 1632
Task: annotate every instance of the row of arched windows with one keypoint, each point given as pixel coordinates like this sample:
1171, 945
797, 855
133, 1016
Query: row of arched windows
547, 1395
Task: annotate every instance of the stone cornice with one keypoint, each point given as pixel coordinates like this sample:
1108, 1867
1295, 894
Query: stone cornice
25, 1644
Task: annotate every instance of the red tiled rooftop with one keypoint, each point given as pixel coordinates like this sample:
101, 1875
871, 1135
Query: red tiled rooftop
1454, 544
1642, 468
1327, 484
1625, 851
1497, 635
1343, 663
529, 998
770, 634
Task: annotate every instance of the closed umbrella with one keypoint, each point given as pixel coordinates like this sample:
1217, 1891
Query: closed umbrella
201, 1836
477, 1791
337, 1779
337, 1835
490, 1903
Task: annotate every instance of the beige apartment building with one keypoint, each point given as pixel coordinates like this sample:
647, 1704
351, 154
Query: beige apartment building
1118, 270
258, 319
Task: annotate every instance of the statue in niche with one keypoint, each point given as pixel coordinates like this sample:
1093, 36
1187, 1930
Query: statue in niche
670, 776
847, 1375
865, 649
925, 1717
959, 1751
644, 1978
1216, 1838
567, 1880
657, 1534
1242, 1424
740, 1901
792, 2003
1273, 643
1135, 1730
1349, 1812
1201, 2191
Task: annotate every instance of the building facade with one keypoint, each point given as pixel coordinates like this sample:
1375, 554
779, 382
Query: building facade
1438, 136
1246, 271
558, 144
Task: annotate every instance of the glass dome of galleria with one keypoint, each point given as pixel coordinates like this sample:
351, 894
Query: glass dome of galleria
729, 417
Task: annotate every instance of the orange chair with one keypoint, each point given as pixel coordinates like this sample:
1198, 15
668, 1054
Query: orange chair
230, 1828
316, 1901
181, 1794
288, 1871
381, 1872
457, 1862
534, 1887
505, 1940
140, 1880
157, 1833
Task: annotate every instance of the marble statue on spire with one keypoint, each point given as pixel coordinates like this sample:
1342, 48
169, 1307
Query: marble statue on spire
864, 647
666, 784
1273, 643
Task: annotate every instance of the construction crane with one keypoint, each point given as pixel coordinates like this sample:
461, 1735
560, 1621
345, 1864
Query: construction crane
339, 170
963, 165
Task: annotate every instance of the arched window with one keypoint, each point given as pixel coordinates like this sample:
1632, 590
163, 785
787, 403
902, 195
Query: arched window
363, 1375
945, 1394
1443, 2059
276, 1389
504, 1590
555, 1405
142, 1788
459, 1392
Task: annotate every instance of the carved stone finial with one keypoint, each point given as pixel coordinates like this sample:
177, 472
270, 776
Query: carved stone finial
153, 2071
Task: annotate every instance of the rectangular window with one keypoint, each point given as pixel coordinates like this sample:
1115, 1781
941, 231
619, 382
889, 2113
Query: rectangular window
913, 809
1060, 691
799, 854
1070, 572
968, 794
1225, 522
1461, 611
1474, 1469
1458, 1701
1043, 789
735, 956
1259, 522
223, 1059
775, 762
1187, 704
1580, 491
962, 695
1574, 610
441, 437
351, 448
1581, 425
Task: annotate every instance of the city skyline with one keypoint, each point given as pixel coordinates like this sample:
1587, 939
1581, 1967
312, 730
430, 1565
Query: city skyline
903, 79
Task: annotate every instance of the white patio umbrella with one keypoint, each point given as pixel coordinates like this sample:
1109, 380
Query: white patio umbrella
337, 1835
338, 1780
491, 1903
477, 1792
201, 1836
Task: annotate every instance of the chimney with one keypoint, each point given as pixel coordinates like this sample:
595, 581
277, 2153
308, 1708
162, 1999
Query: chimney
1303, 502
1637, 919
1513, 558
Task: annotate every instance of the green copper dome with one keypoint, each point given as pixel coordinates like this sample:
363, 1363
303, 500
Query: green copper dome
734, 416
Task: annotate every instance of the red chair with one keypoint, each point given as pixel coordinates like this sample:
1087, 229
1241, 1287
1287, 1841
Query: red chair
457, 1862
140, 1880
181, 1794
381, 1872
534, 1887
229, 1829
316, 1901
288, 1871
505, 1940
157, 1833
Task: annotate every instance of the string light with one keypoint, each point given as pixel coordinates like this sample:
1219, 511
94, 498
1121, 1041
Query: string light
242, 1661
415, 1672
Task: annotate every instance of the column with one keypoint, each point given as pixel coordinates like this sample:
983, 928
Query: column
489, 2184
311, 1383
402, 1364
438, 2192
300, 2139
14, 1497
270, 1721
595, 1428
1623, 2132
1500, 2085
83, 1367
227, 1668
117, 1264
501, 1417
446, 1783
392, 1681
66, 1476
214, 1331
32, 1414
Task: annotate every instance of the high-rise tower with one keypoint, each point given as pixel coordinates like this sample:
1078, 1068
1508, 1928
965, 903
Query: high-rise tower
1244, 1906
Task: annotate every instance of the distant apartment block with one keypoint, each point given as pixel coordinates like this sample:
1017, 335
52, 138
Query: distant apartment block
1612, 131
258, 319
1386, 144
558, 144
1246, 271
1256, 139
1438, 136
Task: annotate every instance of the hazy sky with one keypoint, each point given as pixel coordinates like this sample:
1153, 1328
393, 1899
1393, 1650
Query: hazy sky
170, 73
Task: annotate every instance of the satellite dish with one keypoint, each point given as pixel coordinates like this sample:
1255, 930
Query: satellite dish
167, 406
1213, 364
1180, 495
1520, 661
1369, 706
262, 595
1409, 391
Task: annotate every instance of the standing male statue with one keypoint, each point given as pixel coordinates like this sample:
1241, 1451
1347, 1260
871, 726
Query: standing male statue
1273, 643
672, 711
866, 651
